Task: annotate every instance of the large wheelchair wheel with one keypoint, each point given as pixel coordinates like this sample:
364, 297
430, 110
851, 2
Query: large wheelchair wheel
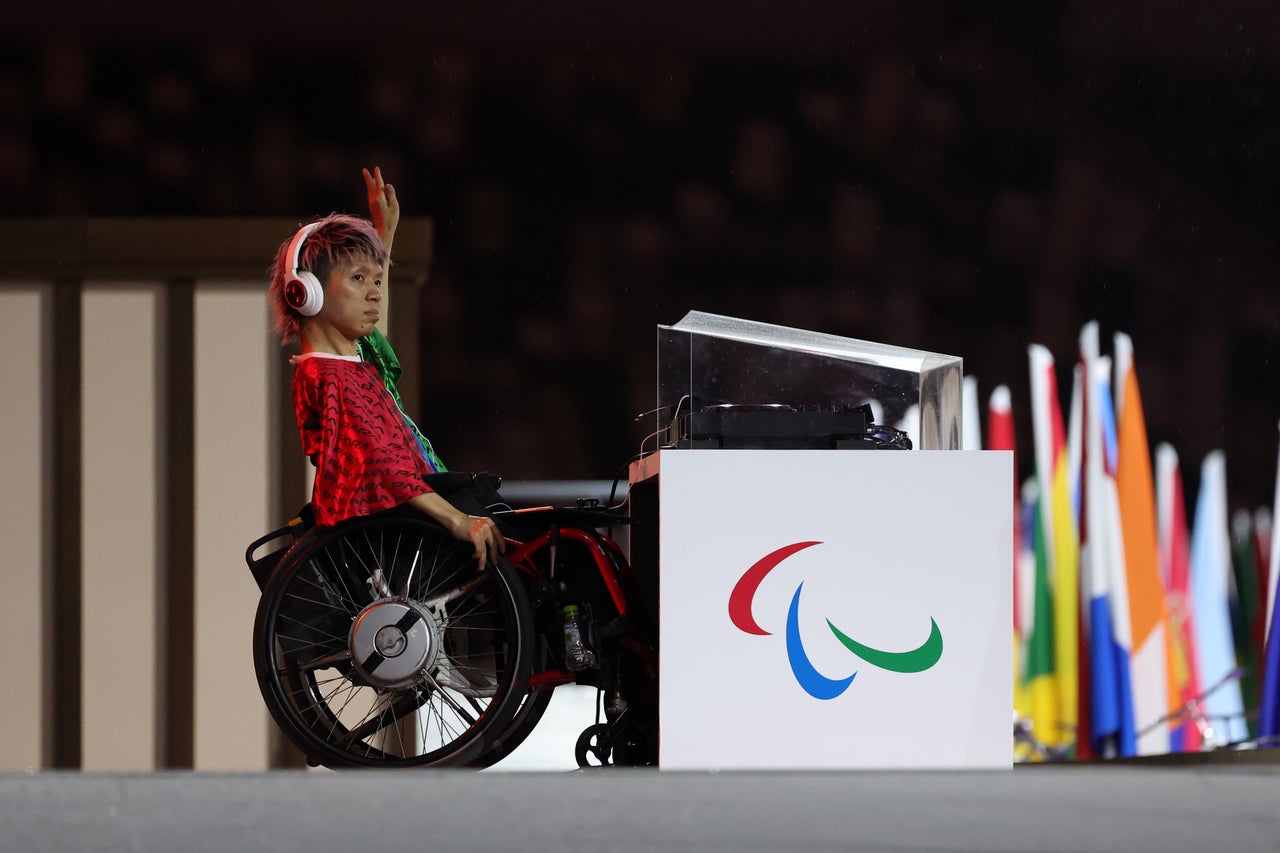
379, 643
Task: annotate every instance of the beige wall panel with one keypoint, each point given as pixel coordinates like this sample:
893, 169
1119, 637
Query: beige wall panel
232, 505
24, 560
121, 526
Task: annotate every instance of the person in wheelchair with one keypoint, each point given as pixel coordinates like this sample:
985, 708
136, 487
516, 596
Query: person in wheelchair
377, 639
328, 291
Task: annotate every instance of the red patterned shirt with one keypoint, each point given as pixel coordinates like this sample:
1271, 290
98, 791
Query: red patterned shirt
366, 458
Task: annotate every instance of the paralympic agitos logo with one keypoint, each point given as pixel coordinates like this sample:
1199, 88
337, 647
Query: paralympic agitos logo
807, 676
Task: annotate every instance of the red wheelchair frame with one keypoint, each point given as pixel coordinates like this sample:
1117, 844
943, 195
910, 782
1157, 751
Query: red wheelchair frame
623, 633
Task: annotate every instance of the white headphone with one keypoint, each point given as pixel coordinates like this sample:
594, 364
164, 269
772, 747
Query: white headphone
302, 290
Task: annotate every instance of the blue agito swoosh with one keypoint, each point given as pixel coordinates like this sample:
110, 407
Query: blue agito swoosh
814, 683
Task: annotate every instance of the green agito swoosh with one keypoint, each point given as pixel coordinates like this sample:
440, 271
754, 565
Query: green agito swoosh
916, 660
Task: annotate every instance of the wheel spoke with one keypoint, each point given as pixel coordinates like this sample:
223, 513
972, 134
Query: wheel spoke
408, 702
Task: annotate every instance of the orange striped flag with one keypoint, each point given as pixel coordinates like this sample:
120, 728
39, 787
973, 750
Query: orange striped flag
1154, 696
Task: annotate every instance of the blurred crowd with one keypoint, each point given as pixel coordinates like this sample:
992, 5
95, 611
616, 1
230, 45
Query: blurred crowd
967, 192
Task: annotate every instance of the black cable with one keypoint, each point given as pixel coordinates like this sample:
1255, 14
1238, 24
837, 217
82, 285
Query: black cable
617, 478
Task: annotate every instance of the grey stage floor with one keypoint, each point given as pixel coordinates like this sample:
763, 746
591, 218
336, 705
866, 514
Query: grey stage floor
1132, 808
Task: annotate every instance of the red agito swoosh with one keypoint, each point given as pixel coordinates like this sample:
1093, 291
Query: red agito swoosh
745, 590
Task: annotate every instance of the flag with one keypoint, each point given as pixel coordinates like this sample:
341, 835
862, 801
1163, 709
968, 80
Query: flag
1042, 695
1148, 620
1269, 704
1000, 436
1249, 610
1075, 437
1102, 575
1085, 742
1210, 577
1025, 590
1175, 568
1273, 557
1268, 732
1262, 548
1052, 653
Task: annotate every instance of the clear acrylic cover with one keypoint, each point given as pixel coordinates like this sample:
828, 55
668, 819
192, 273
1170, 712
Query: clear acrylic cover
708, 360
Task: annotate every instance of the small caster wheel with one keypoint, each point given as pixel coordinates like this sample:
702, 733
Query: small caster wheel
594, 747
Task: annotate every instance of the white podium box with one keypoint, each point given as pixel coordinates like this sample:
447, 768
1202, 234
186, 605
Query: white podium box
823, 609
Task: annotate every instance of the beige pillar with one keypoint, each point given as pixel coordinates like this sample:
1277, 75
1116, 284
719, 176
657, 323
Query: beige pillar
24, 522
120, 539
233, 462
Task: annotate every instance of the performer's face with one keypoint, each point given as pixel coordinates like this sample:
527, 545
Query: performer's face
353, 297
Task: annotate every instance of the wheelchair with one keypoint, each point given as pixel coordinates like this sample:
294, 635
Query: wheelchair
379, 642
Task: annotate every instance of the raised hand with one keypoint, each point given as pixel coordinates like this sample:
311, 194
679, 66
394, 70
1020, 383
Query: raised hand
384, 208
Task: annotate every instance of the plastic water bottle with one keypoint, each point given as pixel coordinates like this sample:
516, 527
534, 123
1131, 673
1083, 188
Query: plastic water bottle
577, 654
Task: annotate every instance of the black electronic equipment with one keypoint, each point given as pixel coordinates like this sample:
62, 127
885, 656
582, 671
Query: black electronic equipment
777, 426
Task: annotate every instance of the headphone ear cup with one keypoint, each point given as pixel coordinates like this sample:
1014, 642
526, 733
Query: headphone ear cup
304, 293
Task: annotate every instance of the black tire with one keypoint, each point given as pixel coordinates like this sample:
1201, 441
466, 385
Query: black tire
379, 643
522, 724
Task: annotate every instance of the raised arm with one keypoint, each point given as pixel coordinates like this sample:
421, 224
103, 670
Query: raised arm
384, 210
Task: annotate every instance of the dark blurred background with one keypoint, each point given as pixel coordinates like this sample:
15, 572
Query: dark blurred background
958, 177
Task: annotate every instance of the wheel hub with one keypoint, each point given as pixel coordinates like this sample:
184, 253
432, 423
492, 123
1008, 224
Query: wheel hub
393, 642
